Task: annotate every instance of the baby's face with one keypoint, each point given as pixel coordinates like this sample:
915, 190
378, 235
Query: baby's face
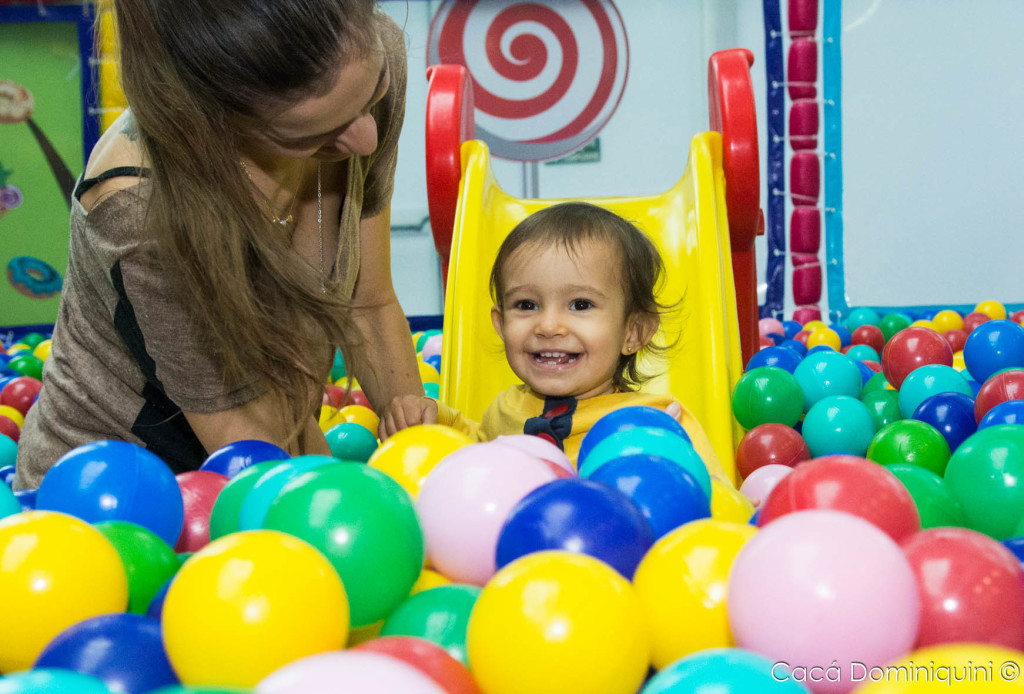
563, 319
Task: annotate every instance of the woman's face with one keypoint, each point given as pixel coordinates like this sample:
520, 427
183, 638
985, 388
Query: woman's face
338, 124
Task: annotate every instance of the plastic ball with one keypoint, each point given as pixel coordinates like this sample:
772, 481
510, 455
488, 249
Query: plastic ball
47, 681
148, 561
795, 346
20, 393
577, 515
862, 316
249, 603
877, 382
56, 571
352, 442
825, 374
682, 580
791, 328
767, 394
27, 365
845, 336
364, 524
883, 406
666, 494
231, 459
992, 347
264, 492
432, 346
360, 414
952, 414
963, 657
9, 504
986, 475
869, 336
12, 414
627, 418
973, 319
410, 455
1017, 316
8, 455
957, 340
762, 481
838, 424
464, 503
428, 374
432, 390
926, 381
728, 505
428, 658
722, 671
551, 454
911, 442
910, 349
845, 483
778, 356
862, 353
438, 615
947, 320
770, 444
892, 324
1009, 412
561, 643
199, 492
1008, 385
433, 360
124, 650
767, 326
227, 509
799, 592
992, 309
824, 336
27, 498
935, 504
360, 671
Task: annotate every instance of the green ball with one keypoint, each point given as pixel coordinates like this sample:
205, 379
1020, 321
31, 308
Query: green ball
182, 689
9, 504
986, 475
928, 380
424, 336
338, 368
27, 365
352, 442
838, 424
876, 382
148, 561
892, 323
366, 526
883, 405
439, 615
910, 442
32, 339
228, 508
935, 504
767, 394
861, 315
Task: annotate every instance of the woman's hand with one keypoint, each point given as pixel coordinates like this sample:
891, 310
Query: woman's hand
406, 411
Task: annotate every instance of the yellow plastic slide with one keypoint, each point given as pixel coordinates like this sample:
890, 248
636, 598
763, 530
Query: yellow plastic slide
688, 224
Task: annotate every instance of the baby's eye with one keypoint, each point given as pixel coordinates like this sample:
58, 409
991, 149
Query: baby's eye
581, 304
524, 305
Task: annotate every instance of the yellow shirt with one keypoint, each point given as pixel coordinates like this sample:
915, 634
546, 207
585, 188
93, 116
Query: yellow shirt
565, 421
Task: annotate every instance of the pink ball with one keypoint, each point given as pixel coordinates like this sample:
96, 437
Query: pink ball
360, 671
767, 326
761, 481
539, 448
432, 346
465, 500
821, 586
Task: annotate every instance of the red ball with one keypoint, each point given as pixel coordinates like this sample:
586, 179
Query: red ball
199, 490
802, 336
873, 365
1018, 317
845, 483
356, 397
913, 347
20, 393
334, 395
973, 319
427, 657
770, 444
870, 335
8, 427
956, 338
969, 585
1008, 385
765, 341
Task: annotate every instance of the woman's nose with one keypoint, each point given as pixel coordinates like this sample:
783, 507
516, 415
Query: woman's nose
360, 138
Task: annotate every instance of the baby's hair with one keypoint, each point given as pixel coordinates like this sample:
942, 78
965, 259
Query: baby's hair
569, 225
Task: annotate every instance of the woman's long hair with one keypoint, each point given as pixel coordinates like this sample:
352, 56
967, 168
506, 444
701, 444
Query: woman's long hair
196, 74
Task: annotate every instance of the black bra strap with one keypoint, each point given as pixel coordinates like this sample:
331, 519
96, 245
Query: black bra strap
86, 183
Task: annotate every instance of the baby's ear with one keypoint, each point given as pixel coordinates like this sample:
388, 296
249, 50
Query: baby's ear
496, 321
642, 327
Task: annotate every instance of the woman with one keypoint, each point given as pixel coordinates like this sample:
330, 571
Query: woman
229, 231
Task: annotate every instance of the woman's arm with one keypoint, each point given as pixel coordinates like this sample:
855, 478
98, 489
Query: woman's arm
384, 360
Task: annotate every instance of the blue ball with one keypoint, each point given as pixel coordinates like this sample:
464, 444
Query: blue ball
156, 604
723, 671
648, 441
665, 493
51, 681
753, 518
580, 516
1015, 545
626, 418
993, 346
115, 480
926, 381
952, 414
1007, 412
5, 358
231, 459
435, 361
266, 489
975, 387
124, 650
795, 345
775, 356
819, 348
791, 327
8, 470
843, 333
866, 373
27, 498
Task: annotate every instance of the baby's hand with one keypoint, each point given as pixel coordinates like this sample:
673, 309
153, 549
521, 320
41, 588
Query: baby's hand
676, 410
406, 411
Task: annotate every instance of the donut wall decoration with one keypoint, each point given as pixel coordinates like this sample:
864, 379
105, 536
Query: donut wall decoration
546, 76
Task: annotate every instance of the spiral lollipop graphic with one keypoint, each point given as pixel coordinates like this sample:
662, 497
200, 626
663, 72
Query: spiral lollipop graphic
546, 76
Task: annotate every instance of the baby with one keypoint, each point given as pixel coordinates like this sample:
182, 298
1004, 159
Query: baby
574, 303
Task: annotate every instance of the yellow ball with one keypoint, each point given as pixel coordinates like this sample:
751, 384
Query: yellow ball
814, 325
327, 414
682, 584
410, 455
947, 320
17, 348
923, 323
42, 350
11, 413
249, 603
358, 414
992, 309
978, 668
428, 374
727, 504
428, 579
555, 622
825, 336
958, 361
55, 571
